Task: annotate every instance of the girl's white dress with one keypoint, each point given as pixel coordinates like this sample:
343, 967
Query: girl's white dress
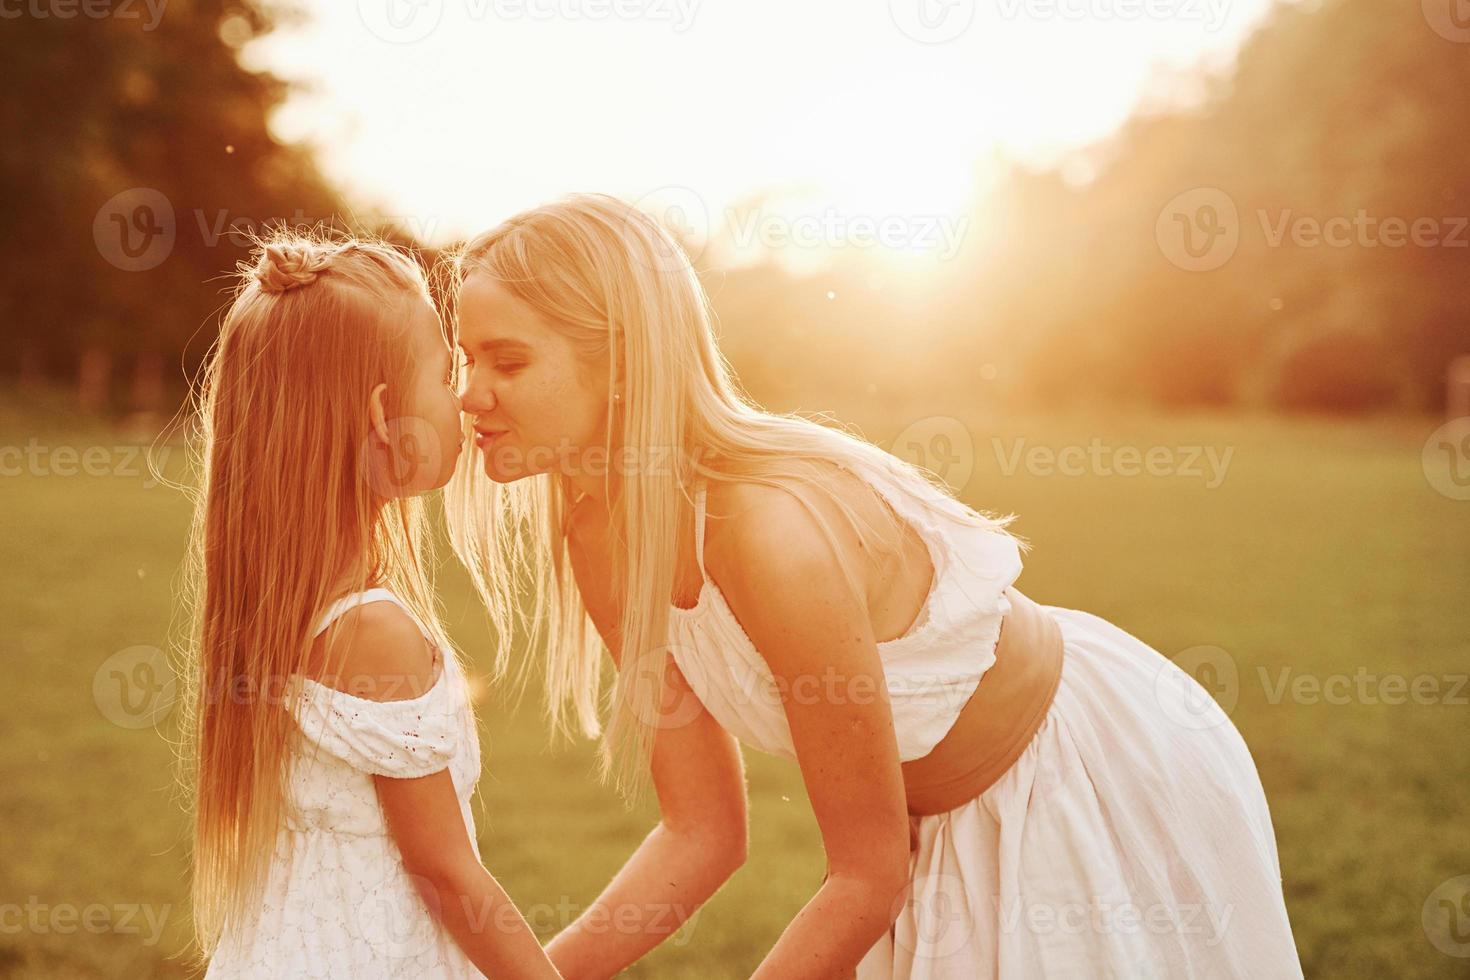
1131, 840
338, 902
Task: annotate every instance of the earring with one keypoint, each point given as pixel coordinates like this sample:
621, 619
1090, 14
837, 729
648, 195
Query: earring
617, 396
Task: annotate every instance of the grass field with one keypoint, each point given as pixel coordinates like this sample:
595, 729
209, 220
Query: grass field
1323, 552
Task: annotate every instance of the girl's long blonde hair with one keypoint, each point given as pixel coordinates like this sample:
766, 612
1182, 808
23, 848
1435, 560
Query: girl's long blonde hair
285, 514
614, 282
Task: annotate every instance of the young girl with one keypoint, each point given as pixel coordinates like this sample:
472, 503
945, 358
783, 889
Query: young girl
333, 749
1003, 789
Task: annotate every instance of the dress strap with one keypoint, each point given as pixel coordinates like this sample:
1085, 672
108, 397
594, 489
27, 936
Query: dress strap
699, 506
335, 611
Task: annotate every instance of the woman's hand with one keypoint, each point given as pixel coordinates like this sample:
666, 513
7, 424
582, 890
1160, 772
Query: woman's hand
701, 837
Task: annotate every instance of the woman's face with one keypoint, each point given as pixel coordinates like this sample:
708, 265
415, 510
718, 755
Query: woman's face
536, 405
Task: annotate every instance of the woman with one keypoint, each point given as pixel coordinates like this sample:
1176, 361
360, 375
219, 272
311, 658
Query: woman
1003, 789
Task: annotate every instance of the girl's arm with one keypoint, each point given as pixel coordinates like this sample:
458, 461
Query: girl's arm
786, 587
424, 818
701, 836
385, 652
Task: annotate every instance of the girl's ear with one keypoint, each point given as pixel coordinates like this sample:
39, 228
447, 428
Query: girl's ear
377, 415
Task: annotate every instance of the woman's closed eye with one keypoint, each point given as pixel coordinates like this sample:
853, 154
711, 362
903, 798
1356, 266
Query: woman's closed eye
505, 366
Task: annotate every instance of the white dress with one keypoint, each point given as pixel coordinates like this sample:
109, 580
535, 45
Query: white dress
1131, 839
338, 902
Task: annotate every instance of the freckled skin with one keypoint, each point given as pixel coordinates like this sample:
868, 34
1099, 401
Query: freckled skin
525, 377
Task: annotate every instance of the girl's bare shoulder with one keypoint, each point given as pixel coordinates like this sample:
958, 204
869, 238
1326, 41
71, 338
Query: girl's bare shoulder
374, 651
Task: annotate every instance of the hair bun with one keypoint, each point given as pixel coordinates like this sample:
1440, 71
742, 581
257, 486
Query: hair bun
283, 266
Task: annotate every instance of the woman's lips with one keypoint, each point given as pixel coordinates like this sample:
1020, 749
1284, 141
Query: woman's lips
483, 439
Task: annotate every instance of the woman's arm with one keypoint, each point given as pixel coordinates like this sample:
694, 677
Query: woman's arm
699, 842
701, 836
784, 583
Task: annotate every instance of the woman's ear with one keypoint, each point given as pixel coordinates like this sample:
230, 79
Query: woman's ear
378, 415
617, 383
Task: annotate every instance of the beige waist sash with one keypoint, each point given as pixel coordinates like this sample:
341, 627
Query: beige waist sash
997, 723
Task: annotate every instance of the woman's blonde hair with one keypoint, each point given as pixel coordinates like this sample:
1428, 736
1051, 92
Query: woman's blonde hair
614, 282
286, 512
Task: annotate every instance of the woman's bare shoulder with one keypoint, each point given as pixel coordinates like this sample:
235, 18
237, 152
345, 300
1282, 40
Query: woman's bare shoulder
755, 519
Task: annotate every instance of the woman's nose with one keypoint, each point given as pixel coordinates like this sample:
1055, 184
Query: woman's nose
476, 399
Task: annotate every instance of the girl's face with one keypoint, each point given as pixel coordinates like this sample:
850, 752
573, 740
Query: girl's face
419, 450
536, 404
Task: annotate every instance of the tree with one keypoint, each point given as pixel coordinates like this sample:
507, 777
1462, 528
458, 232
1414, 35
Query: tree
143, 149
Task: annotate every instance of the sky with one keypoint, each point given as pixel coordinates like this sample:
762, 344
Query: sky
451, 115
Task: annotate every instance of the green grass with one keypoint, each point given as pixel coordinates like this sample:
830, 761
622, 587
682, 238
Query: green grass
1324, 550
